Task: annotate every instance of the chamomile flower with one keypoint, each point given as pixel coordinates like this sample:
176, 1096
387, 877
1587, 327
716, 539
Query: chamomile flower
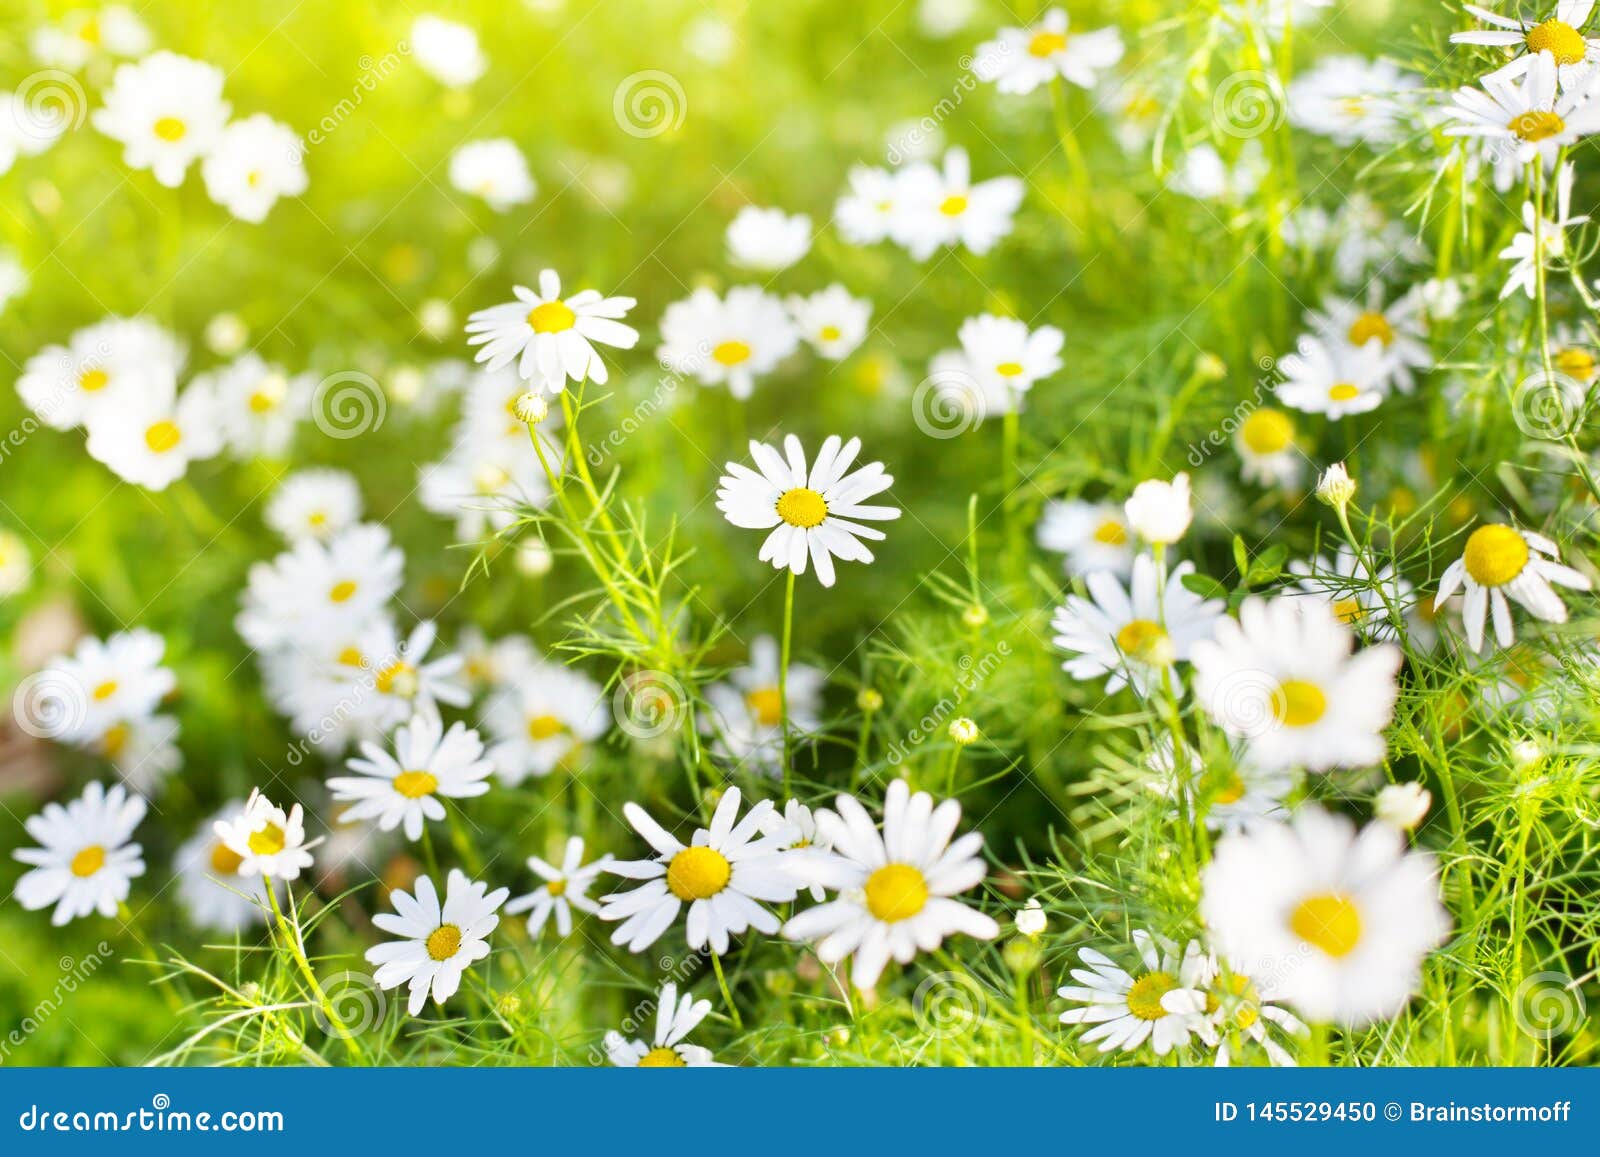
399, 680
254, 162
1133, 636
209, 885
1332, 378
436, 942
727, 341
1230, 1005
316, 585
1006, 355
675, 1019
1126, 1009
152, 441
811, 513
1396, 328
1542, 242
1093, 535
1204, 174
747, 718
1268, 453
1359, 599
1574, 53
1236, 791
268, 840
831, 321
447, 51
1333, 921
1402, 805
565, 888
542, 720
494, 170
1283, 679
944, 207
551, 338
315, 503
166, 111
85, 35
867, 211
1160, 512
1524, 116
406, 787
258, 405
143, 749
116, 362
895, 889
797, 831
725, 874
86, 858
490, 664
109, 682
769, 240
1019, 60
1502, 564
1351, 100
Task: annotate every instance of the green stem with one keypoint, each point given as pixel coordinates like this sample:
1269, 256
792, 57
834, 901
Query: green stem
727, 997
291, 939
783, 681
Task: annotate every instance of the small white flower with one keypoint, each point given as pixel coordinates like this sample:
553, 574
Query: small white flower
1350, 100
1231, 1006
727, 341
796, 830
116, 362
114, 681
768, 239
209, 885
406, 788
1502, 563
317, 586
151, 441
268, 840
675, 1019
1030, 918
1542, 242
1019, 60
258, 405
866, 213
564, 888
226, 334
437, 943
315, 503
494, 170
745, 716
1396, 329
1126, 1009
447, 51
1203, 173
1332, 378
1268, 453
1093, 535
1402, 805
1008, 357
943, 206
1524, 117
1336, 487
84, 35
831, 321
551, 338
167, 111
253, 163
1358, 599
1160, 512
543, 719
86, 859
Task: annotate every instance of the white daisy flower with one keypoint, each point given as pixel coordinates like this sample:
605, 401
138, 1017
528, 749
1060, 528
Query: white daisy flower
1503, 563
541, 720
1127, 1010
1283, 678
1161, 511
151, 442
675, 1019
485, 484
1093, 535
1574, 53
315, 586
831, 321
1398, 329
746, 711
1542, 242
1006, 355
1203, 173
1239, 792
258, 405
1357, 598
316, 503
102, 367
143, 750
1524, 116
1133, 636
867, 212
437, 943
769, 240
796, 830
405, 788
724, 874
1332, 378
895, 890
552, 338
269, 841
1268, 453
210, 888
940, 207
447, 51
110, 682
89, 34
16, 564
727, 341
494, 170
400, 679
86, 859
811, 513
1230, 1005
1351, 100
489, 664
564, 888
254, 162
1019, 60
1334, 922
167, 111
964, 394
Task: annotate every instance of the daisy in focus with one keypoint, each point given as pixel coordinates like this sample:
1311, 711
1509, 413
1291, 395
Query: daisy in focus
812, 512
405, 788
1092, 535
1019, 60
1231, 1007
565, 887
675, 1019
86, 858
1574, 53
166, 111
1501, 565
1125, 1009
437, 942
210, 888
768, 240
269, 841
727, 341
552, 339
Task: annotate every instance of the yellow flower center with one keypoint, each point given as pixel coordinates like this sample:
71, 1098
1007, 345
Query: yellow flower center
1144, 640
1297, 703
731, 353
317, 518
398, 678
545, 727
1369, 325
170, 129
88, 861
765, 705
556, 887
415, 784
1241, 996
662, 1058
896, 892
1329, 921
953, 205
551, 317
92, 381
698, 873
115, 740
269, 841
224, 860
802, 507
1560, 40
352, 657
1495, 555
444, 941
1348, 610
89, 31
1536, 125
1111, 533
1232, 789
1044, 44
1144, 998
269, 394
1342, 391
341, 591
831, 333
1576, 363
1008, 369
162, 436
105, 691
1267, 431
